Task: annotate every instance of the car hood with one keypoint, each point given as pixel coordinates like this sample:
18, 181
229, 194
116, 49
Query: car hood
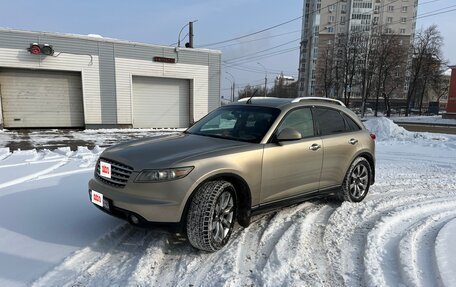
165, 151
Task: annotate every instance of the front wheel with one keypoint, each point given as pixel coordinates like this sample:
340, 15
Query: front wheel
357, 181
211, 215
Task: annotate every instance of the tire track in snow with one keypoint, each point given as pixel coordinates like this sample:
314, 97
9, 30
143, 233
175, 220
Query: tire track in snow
33, 175
381, 254
109, 262
417, 247
348, 241
307, 258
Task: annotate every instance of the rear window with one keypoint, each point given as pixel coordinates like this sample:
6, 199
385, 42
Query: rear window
330, 121
351, 123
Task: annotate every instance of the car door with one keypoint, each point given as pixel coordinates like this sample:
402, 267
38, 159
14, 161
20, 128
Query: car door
340, 136
292, 168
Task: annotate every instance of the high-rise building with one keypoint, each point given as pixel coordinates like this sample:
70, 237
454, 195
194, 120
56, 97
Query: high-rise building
326, 23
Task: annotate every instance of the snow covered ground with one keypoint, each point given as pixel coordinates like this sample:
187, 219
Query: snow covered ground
402, 234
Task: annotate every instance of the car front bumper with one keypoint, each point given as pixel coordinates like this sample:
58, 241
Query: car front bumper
162, 202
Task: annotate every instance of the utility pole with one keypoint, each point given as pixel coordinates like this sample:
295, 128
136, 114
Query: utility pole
232, 89
265, 79
233, 86
190, 34
190, 43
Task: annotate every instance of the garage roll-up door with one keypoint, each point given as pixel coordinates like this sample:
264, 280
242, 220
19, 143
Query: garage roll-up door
160, 102
35, 98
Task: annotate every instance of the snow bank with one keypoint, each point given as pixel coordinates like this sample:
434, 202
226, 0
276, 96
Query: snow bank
386, 130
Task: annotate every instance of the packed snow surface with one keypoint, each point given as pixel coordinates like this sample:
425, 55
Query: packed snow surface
402, 234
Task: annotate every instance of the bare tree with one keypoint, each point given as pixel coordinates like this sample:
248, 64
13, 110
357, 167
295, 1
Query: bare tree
247, 91
426, 54
389, 58
440, 85
352, 58
325, 72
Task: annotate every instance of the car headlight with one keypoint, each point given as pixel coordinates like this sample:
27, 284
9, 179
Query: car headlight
163, 174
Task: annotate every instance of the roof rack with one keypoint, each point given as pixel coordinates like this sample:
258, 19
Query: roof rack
297, 100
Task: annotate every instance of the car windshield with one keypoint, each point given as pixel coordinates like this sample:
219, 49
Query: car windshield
241, 123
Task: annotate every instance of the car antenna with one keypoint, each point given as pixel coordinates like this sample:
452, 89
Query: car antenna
249, 101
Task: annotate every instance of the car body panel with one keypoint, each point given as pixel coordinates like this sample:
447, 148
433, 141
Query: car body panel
290, 168
165, 151
338, 153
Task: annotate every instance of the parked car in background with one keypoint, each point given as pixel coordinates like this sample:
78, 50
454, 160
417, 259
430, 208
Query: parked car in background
239, 160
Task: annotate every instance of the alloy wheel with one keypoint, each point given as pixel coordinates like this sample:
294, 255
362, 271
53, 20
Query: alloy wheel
359, 180
222, 218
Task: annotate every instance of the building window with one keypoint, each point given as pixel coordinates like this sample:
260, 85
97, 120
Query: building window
403, 20
330, 29
331, 8
342, 20
404, 9
389, 20
390, 8
331, 19
343, 8
402, 31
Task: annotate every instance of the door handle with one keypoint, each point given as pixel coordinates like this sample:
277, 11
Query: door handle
315, 147
353, 141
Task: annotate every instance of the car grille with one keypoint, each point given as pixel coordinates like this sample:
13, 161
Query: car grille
120, 173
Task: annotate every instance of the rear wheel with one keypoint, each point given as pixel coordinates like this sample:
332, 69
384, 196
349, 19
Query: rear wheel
357, 181
211, 215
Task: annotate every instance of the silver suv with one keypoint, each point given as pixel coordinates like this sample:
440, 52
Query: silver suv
239, 160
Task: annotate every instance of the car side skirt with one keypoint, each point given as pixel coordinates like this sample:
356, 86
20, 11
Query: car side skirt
322, 193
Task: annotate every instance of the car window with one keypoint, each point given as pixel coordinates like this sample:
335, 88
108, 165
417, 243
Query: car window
243, 123
330, 121
300, 120
351, 123
222, 121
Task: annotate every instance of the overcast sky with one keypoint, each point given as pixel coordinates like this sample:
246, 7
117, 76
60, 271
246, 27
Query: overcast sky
159, 22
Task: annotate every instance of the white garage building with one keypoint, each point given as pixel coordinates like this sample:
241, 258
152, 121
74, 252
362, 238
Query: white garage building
94, 82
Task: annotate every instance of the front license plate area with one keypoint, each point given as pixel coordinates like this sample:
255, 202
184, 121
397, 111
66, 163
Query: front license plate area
98, 199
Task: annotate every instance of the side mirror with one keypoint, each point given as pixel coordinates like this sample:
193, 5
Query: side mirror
289, 134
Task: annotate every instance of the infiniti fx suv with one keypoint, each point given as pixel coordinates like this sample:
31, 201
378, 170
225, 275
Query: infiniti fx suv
240, 159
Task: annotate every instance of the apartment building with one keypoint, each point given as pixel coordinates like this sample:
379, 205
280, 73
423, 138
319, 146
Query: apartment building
326, 22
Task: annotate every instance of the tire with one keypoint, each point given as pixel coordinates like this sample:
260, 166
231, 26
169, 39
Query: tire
357, 181
211, 216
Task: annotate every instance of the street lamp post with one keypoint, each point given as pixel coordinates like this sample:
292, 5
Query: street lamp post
265, 79
233, 91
